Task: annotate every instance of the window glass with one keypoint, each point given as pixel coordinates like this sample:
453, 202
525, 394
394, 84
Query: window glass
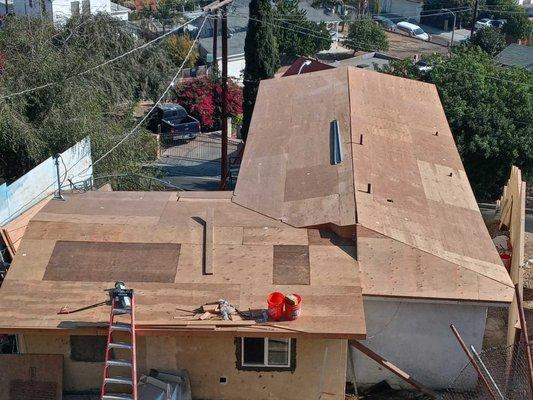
278, 351
253, 351
88, 348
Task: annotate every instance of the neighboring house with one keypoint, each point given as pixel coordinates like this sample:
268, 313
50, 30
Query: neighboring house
120, 12
403, 8
516, 55
236, 62
61, 10
373, 61
238, 14
425, 255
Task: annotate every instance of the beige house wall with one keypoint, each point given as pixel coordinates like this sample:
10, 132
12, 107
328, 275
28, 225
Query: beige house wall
320, 367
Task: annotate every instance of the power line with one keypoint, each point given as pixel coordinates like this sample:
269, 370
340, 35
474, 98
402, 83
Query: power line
365, 44
23, 208
171, 84
144, 45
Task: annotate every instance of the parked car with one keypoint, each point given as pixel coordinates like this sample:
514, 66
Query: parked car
384, 22
412, 30
423, 66
173, 122
482, 23
487, 22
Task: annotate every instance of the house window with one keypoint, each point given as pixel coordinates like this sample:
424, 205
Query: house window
88, 348
86, 7
75, 8
265, 354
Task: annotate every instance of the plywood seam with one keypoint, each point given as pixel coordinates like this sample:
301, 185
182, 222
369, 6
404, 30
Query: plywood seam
442, 258
351, 144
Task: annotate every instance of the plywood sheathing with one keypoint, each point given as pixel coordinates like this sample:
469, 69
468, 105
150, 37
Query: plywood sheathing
419, 193
15, 229
290, 155
242, 256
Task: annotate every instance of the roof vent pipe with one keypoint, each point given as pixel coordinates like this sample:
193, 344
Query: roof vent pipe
335, 143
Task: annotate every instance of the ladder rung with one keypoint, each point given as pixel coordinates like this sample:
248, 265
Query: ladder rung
121, 327
118, 311
117, 396
119, 380
119, 363
120, 345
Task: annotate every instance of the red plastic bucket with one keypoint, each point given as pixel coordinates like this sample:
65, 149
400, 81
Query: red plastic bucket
293, 311
275, 303
506, 259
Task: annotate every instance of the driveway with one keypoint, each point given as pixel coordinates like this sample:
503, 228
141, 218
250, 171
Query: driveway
195, 165
445, 37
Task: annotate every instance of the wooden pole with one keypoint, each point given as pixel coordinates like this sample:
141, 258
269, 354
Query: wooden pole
224, 117
215, 38
525, 337
392, 368
474, 17
473, 361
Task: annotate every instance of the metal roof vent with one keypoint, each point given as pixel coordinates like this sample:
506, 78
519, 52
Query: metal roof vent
335, 142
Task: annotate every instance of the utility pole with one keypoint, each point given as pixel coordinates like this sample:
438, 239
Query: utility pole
210, 8
7, 8
215, 38
224, 119
474, 18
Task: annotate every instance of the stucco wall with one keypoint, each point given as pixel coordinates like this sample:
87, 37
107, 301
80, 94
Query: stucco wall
41, 181
416, 336
320, 367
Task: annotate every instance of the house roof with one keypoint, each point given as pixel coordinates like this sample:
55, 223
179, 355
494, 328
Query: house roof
161, 245
516, 55
235, 45
401, 179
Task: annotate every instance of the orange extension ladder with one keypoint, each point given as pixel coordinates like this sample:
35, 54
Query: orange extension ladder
122, 304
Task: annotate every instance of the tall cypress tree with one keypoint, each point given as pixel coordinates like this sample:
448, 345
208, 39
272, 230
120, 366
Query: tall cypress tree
261, 55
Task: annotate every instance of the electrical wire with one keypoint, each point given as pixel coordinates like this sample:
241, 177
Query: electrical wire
365, 44
137, 126
107, 62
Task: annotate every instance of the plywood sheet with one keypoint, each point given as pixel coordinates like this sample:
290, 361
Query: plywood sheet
111, 261
291, 265
31, 376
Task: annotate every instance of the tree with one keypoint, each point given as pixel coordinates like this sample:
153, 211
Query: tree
517, 24
261, 55
201, 97
178, 47
489, 110
489, 39
366, 35
98, 104
292, 22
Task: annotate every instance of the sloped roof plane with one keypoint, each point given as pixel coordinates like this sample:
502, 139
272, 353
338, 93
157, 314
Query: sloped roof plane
401, 178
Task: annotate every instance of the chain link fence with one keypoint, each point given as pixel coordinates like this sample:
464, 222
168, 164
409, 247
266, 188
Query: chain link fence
505, 370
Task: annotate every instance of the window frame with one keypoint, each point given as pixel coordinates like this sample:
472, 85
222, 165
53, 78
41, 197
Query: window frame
291, 356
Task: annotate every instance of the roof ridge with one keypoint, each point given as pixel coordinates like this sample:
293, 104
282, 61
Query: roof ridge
441, 257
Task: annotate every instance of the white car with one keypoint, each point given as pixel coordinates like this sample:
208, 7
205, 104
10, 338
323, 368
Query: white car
487, 22
412, 30
482, 23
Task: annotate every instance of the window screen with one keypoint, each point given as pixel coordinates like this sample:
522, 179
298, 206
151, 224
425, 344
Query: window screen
264, 354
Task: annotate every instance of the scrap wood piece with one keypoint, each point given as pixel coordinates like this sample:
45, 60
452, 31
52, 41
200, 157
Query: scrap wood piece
208, 241
392, 368
4, 235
